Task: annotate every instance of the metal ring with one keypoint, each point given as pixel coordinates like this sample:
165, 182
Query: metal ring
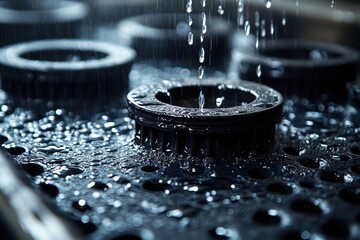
64, 70
165, 120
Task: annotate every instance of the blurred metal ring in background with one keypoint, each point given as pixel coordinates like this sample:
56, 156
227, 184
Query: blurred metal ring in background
40, 19
303, 68
165, 36
67, 73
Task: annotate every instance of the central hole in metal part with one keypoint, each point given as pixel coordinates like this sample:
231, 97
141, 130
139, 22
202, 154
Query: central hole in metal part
64, 55
300, 53
216, 97
33, 5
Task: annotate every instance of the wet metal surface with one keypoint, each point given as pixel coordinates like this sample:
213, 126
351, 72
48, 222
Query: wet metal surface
307, 188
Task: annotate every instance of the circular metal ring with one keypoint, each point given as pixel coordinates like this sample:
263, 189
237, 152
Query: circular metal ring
238, 117
65, 70
302, 68
165, 36
40, 19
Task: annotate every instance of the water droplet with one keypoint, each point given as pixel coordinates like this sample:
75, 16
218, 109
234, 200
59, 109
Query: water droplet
219, 101
268, 3
64, 171
201, 72
81, 205
272, 28
53, 149
224, 233
283, 21
201, 101
247, 28
203, 3
240, 16
98, 185
203, 26
221, 10
263, 28
190, 21
257, 19
190, 38
189, 6
258, 71
201, 55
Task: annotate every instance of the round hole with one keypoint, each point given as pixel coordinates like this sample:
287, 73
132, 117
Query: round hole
280, 188
142, 234
127, 237
16, 150
306, 206
3, 139
311, 163
63, 55
98, 186
260, 173
296, 235
149, 168
310, 184
33, 169
294, 151
267, 217
355, 150
81, 205
335, 177
351, 195
49, 189
155, 185
216, 97
121, 180
336, 228
356, 169
293, 52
